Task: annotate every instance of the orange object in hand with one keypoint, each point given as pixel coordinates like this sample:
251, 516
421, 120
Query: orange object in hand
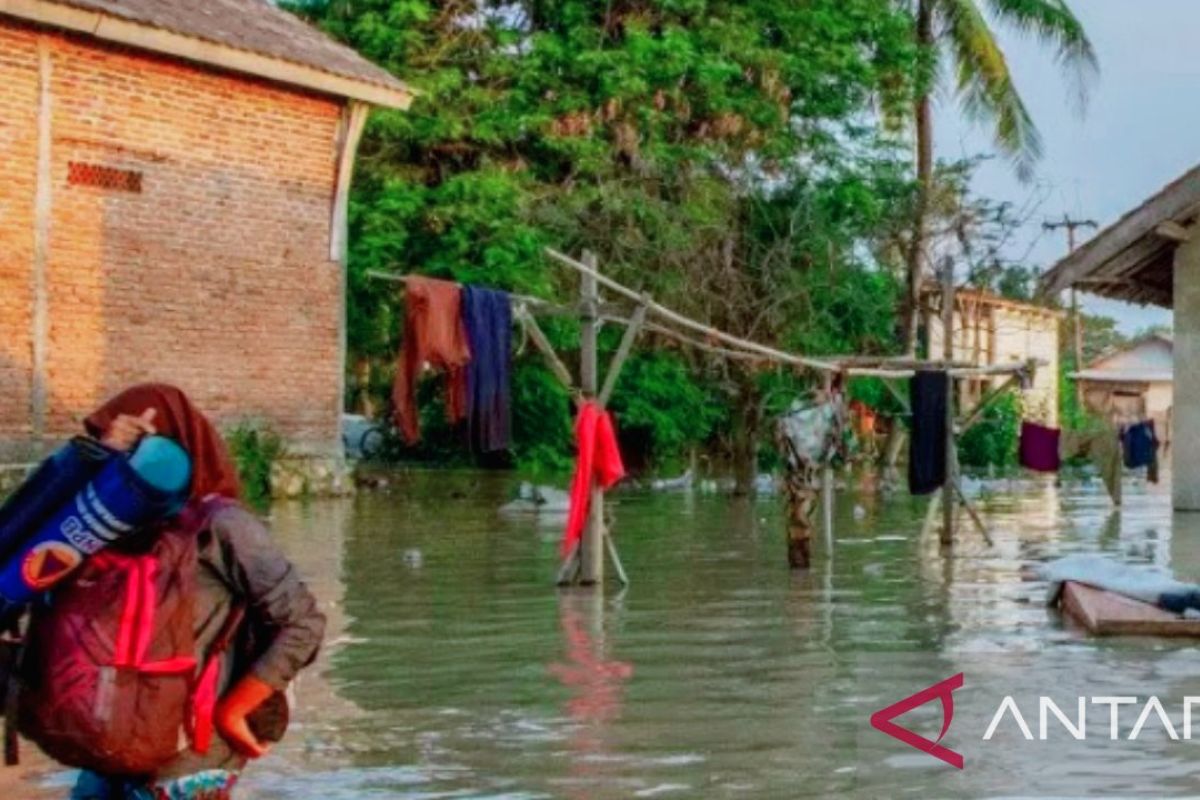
232, 711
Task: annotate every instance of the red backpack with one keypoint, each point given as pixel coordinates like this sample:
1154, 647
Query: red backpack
111, 682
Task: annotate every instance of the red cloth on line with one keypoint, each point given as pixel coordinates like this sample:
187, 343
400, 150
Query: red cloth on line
433, 335
599, 460
1039, 447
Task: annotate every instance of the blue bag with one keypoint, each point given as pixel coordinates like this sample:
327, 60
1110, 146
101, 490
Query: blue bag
120, 495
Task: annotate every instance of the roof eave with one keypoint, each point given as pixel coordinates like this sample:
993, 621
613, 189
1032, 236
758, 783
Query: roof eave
1128, 243
112, 29
1100, 376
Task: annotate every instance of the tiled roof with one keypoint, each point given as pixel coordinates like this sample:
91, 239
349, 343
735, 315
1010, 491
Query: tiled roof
254, 26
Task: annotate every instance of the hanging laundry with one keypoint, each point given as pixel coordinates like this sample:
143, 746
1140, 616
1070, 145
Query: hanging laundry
865, 419
810, 435
598, 461
1103, 448
927, 452
1140, 445
1039, 447
487, 317
433, 337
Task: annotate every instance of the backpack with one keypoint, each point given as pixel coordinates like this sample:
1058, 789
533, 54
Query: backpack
110, 676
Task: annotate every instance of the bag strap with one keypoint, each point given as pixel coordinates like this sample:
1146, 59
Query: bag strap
229, 629
204, 692
12, 744
13, 649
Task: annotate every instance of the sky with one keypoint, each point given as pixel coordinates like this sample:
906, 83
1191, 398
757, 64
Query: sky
1140, 129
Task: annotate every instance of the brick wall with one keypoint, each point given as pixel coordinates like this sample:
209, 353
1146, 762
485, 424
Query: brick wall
215, 276
18, 157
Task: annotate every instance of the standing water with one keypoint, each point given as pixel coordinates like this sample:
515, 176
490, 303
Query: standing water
453, 667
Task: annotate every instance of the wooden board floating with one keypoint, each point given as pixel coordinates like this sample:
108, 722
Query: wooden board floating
1108, 614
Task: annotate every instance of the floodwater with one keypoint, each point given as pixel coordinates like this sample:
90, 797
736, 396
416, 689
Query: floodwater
455, 669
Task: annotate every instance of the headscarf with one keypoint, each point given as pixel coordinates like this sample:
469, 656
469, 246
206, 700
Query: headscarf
213, 471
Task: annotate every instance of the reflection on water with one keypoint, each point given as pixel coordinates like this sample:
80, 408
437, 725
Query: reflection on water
455, 669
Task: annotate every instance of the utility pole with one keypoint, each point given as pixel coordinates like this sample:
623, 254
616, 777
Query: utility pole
1071, 225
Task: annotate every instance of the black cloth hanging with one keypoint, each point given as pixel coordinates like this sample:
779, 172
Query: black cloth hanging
487, 318
927, 451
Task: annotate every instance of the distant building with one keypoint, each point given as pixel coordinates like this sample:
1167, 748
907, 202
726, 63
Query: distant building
1133, 384
992, 330
172, 208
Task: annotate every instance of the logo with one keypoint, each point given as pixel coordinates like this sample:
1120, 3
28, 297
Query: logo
75, 532
47, 564
882, 720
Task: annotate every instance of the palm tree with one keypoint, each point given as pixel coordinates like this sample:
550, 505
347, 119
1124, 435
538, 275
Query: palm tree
958, 34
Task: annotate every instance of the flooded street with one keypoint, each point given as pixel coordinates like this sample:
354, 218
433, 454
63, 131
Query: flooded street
455, 669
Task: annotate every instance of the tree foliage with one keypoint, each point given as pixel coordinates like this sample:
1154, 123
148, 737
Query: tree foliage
981, 75
735, 159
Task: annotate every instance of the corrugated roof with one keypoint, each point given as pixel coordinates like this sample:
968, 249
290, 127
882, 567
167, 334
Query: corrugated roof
252, 26
991, 299
1122, 376
1132, 259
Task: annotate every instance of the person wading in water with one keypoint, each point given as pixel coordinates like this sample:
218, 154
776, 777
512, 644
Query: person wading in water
208, 580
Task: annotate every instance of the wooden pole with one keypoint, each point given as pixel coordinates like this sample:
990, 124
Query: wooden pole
1070, 225
948, 499
588, 269
623, 350
711, 334
591, 551
827, 484
1077, 333
545, 348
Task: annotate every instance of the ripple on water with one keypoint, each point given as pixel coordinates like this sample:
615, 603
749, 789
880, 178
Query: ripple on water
464, 673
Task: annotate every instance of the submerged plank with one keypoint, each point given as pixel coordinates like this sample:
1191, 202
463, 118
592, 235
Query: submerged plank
1108, 614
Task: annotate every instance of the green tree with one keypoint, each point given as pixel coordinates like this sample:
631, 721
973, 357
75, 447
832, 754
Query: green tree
728, 157
959, 34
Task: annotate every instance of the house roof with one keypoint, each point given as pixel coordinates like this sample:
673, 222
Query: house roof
1133, 259
1122, 376
249, 36
970, 294
1137, 362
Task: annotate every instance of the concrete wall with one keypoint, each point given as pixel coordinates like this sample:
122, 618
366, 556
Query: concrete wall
215, 276
1185, 442
1006, 334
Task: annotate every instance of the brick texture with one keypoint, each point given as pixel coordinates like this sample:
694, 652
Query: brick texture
215, 276
18, 164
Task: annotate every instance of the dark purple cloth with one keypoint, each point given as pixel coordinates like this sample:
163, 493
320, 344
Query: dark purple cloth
1039, 447
487, 317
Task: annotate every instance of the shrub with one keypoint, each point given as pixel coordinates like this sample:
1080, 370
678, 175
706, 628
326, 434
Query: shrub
254, 449
993, 440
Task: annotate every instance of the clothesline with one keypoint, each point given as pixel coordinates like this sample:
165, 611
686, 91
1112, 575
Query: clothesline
542, 305
882, 366
678, 319
896, 367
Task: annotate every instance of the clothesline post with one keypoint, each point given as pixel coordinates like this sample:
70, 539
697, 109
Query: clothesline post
591, 549
827, 493
948, 498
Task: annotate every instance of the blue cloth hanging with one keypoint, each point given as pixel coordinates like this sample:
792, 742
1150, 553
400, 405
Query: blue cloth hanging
487, 317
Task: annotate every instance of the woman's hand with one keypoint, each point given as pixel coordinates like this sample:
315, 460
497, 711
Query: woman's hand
127, 430
230, 717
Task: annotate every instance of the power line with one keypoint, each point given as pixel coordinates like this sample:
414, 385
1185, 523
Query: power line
1071, 225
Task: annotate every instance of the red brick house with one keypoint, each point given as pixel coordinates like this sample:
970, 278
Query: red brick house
172, 207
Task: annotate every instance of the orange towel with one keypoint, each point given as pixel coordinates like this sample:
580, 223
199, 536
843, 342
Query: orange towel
433, 336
